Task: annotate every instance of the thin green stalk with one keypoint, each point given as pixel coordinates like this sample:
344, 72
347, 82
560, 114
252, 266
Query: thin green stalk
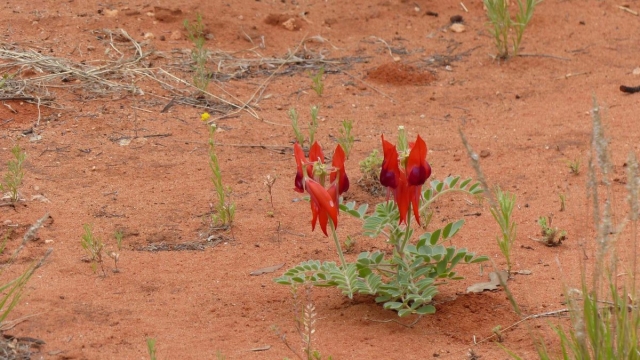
407, 235
338, 246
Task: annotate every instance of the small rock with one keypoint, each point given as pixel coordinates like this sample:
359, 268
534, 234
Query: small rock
636, 71
48, 241
149, 36
111, 13
457, 27
176, 35
485, 153
7, 222
162, 38
40, 198
290, 24
209, 36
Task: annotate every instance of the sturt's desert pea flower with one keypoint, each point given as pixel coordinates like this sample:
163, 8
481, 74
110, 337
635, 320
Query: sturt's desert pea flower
311, 175
404, 175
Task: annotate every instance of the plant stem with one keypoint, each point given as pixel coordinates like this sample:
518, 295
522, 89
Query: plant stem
338, 247
407, 231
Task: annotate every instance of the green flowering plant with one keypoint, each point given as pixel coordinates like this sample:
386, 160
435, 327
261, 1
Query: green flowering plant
406, 280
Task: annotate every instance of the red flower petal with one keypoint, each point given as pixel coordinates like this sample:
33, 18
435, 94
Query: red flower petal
300, 160
338, 160
390, 172
315, 153
417, 169
326, 204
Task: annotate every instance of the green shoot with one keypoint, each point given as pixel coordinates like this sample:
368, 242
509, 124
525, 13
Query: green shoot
151, 348
225, 210
574, 166
93, 247
502, 215
313, 126
318, 84
293, 115
15, 174
118, 235
195, 33
345, 139
551, 236
563, 200
370, 169
501, 24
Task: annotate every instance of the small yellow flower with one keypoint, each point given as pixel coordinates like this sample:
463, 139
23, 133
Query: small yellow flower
205, 116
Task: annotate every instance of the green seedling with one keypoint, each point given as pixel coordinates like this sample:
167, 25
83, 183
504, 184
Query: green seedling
370, 169
151, 348
345, 139
313, 126
93, 246
574, 166
318, 83
497, 331
551, 236
503, 28
349, 244
195, 33
502, 214
15, 174
225, 210
118, 235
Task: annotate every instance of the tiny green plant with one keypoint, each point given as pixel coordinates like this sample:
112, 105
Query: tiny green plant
349, 244
15, 174
502, 214
370, 169
195, 33
313, 126
93, 246
574, 166
551, 236
119, 235
318, 82
501, 25
497, 331
345, 139
151, 348
225, 210
563, 201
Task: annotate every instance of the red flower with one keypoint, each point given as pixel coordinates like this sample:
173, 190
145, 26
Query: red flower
338, 164
324, 203
406, 185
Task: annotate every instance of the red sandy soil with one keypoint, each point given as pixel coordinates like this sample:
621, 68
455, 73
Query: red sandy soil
529, 114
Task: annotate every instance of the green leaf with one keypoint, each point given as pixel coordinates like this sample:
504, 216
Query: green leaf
451, 229
435, 236
404, 312
465, 183
369, 285
426, 309
393, 305
452, 181
362, 210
